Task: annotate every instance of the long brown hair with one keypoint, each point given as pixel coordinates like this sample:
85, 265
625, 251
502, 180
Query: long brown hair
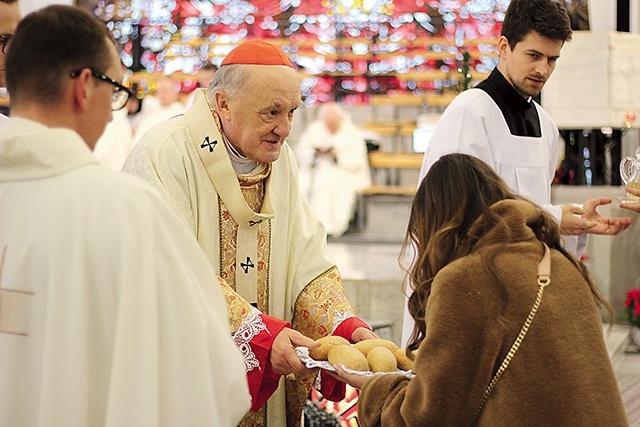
457, 190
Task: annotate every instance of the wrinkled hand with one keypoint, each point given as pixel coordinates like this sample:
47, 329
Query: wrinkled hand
604, 225
283, 357
632, 206
361, 334
572, 223
354, 380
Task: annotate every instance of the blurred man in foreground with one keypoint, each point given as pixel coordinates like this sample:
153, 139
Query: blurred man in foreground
110, 313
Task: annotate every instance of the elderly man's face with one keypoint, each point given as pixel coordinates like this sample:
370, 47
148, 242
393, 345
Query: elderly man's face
258, 123
9, 17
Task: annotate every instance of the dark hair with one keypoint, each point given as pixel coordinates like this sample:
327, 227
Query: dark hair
457, 190
8, 1
48, 45
549, 18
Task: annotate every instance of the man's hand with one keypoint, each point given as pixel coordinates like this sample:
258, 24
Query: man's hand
572, 223
283, 357
576, 220
632, 206
604, 225
361, 334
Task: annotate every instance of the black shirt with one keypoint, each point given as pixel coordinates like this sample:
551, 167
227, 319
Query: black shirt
521, 115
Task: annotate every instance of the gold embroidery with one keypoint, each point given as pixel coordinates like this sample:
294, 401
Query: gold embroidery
318, 303
237, 308
252, 187
255, 419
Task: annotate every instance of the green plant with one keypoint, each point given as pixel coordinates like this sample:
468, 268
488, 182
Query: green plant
632, 307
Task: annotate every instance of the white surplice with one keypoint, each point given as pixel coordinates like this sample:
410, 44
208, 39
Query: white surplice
332, 187
109, 311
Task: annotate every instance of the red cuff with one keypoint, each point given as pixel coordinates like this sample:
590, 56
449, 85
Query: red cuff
263, 381
346, 328
331, 388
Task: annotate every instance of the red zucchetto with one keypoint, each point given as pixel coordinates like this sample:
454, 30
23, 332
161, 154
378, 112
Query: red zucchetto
257, 52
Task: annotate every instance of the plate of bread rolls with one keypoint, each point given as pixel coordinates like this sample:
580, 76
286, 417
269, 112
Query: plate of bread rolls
366, 357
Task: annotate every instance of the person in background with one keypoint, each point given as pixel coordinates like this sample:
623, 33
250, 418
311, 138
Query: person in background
10, 15
111, 314
115, 144
489, 274
167, 95
225, 167
499, 122
205, 77
334, 167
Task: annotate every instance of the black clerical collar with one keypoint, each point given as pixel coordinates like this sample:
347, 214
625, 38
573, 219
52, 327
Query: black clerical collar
520, 114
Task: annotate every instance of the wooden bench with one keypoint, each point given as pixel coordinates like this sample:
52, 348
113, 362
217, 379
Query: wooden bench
392, 191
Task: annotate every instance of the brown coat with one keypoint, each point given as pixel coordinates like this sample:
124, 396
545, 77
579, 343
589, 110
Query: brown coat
560, 376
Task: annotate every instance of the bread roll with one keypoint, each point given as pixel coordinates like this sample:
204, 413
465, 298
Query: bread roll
366, 345
403, 361
348, 356
326, 343
381, 359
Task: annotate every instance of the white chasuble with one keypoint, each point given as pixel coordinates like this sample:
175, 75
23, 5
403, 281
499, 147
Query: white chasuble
115, 318
261, 237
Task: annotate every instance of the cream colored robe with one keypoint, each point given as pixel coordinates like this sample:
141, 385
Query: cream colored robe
109, 314
293, 278
332, 187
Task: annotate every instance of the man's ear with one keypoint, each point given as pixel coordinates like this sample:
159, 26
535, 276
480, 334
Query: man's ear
503, 47
81, 89
221, 101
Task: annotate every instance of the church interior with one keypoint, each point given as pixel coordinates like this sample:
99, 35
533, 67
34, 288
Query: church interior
394, 66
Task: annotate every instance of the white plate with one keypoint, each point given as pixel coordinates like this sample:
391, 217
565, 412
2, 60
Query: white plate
303, 354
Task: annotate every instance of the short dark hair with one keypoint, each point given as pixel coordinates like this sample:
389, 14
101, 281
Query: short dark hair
48, 45
8, 1
549, 18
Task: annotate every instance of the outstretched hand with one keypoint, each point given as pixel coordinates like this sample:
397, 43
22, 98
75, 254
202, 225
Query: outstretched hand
283, 357
604, 225
572, 223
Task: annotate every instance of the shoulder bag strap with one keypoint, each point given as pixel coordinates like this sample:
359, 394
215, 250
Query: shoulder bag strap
544, 273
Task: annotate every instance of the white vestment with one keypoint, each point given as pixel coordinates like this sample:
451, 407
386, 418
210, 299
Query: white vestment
274, 255
113, 147
332, 187
109, 311
151, 119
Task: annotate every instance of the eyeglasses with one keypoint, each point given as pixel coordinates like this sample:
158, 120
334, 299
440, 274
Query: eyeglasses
121, 93
5, 39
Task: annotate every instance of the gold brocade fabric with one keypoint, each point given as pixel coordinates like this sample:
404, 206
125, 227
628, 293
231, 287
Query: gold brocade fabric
252, 187
319, 304
315, 309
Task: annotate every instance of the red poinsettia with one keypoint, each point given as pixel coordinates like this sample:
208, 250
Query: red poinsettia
632, 306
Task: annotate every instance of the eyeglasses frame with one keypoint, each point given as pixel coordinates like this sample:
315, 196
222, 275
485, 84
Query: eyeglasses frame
6, 38
105, 79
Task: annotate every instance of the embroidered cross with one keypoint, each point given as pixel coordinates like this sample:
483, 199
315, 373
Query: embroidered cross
252, 223
247, 266
207, 143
